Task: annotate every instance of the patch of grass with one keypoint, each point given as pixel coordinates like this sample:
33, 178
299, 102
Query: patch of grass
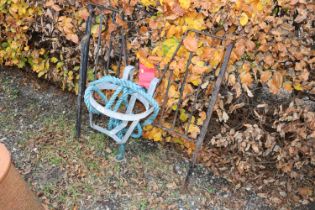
4, 122
97, 141
62, 197
53, 158
143, 205
10, 90
48, 188
92, 165
73, 191
59, 122
211, 190
88, 188
117, 169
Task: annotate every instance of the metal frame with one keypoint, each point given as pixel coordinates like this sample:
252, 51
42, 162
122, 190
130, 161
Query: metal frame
85, 43
123, 53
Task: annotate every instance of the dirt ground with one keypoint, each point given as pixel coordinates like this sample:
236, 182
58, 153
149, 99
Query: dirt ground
37, 125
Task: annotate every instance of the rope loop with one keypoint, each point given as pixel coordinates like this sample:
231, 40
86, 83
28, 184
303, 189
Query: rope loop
120, 96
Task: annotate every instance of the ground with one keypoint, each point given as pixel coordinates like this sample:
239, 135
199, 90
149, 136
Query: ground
37, 125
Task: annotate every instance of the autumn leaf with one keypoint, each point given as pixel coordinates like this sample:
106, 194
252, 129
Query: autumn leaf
153, 133
243, 19
84, 13
305, 191
73, 37
193, 130
169, 46
287, 86
265, 76
276, 82
246, 78
148, 2
52, 5
183, 116
191, 43
185, 4
298, 86
202, 117
195, 21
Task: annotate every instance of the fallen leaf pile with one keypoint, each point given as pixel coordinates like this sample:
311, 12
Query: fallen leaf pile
278, 145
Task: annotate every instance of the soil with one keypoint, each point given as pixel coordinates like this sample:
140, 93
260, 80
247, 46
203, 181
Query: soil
37, 125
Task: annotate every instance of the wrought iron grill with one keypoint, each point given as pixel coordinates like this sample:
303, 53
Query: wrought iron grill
169, 119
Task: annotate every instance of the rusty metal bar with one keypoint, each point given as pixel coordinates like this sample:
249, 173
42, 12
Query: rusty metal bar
194, 106
107, 56
125, 49
212, 102
181, 91
120, 53
103, 7
206, 34
96, 55
172, 132
171, 60
166, 96
180, 44
169, 78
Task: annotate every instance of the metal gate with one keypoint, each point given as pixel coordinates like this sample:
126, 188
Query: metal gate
169, 119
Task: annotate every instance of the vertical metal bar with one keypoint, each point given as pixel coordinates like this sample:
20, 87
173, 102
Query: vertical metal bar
180, 100
125, 49
97, 50
194, 106
171, 60
83, 69
166, 95
120, 53
108, 53
169, 78
212, 102
124, 41
110, 47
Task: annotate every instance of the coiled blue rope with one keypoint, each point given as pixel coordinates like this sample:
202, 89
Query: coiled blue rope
126, 88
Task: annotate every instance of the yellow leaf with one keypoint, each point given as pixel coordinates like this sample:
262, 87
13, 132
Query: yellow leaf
195, 21
193, 130
183, 116
195, 80
148, 3
243, 19
169, 46
216, 58
153, 133
42, 51
173, 92
298, 86
185, 4
54, 60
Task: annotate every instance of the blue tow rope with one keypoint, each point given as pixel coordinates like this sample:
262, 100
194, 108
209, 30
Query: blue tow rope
126, 87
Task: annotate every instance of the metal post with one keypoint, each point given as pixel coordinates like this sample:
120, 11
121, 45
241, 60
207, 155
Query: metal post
121, 153
85, 42
212, 102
